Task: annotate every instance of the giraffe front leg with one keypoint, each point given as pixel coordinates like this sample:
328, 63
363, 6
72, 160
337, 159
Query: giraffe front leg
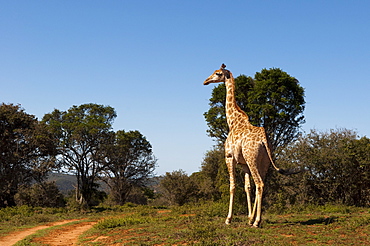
231, 167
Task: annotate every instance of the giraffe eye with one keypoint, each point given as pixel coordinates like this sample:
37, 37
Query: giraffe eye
219, 74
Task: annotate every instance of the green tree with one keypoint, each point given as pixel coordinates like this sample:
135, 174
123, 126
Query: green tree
213, 178
273, 99
45, 194
358, 192
26, 151
129, 163
82, 132
178, 187
338, 170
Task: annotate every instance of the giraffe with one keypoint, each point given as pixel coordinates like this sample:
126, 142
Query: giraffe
246, 145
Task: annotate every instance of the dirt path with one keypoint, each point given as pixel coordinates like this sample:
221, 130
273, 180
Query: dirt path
67, 235
14, 237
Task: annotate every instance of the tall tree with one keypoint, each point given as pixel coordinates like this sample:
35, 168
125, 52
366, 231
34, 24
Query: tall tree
129, 163
82, 132
273, 99
26, 151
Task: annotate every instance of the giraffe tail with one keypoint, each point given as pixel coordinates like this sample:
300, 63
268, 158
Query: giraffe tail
280, 170
289, 171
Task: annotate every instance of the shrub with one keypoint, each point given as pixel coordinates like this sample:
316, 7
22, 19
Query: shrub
178, 187
40, 195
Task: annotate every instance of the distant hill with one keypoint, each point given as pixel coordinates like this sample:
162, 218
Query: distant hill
65, 182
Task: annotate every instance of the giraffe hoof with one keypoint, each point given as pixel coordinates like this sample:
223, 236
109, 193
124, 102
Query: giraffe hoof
255, 224
228, 221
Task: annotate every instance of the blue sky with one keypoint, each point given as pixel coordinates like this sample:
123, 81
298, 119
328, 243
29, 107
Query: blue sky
148, 60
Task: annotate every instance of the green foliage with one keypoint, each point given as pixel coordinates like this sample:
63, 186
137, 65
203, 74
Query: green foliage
337, 171
337, 168
178, 187
277, 103
209, 175
27, 151
79, 141
73, 205
82, 131
9, 212
273, 99
44, 194
11, 217
129, 163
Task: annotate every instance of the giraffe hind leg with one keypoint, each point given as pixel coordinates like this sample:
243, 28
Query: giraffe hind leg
247, 188
253, 213
253, 166
258, 205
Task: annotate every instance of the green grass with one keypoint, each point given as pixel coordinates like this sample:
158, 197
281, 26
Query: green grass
16, 218
203, 224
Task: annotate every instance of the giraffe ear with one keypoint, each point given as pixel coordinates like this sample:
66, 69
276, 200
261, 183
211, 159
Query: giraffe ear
227, 73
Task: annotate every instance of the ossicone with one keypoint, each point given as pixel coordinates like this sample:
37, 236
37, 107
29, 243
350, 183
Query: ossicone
226, 72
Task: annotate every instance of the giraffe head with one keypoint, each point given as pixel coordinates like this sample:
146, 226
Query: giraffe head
218, 76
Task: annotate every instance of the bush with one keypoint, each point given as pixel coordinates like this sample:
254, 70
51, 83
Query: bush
178, 187
40, 195
9, 212
337, 171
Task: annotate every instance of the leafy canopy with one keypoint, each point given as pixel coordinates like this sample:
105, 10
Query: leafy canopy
26, 151
337, 164
82, 131
129, 163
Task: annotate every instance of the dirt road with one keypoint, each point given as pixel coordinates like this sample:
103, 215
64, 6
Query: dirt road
66, 235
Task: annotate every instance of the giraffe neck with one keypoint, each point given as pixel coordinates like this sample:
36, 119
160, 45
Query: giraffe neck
233, 111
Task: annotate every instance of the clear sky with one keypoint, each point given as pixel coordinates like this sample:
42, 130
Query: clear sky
148, 60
